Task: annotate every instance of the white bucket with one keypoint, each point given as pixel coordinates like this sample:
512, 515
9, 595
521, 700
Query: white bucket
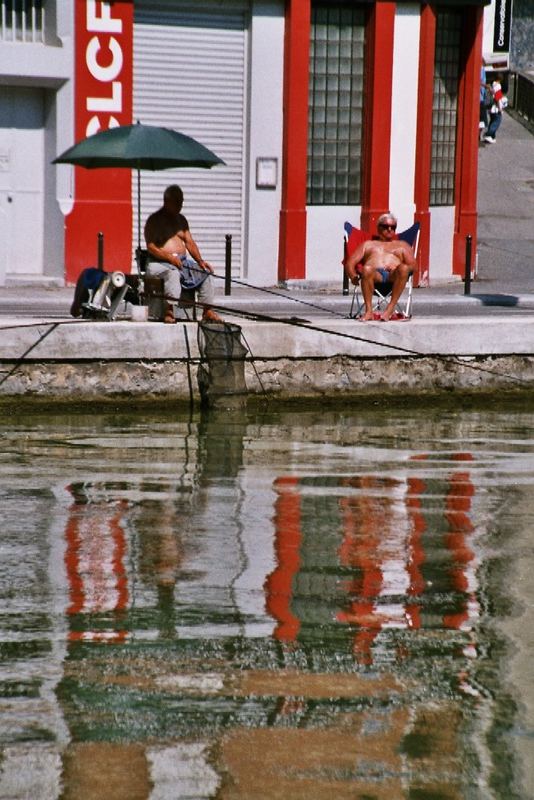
139, 313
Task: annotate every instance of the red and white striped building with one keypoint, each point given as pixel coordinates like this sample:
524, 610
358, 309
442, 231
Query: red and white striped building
324, 111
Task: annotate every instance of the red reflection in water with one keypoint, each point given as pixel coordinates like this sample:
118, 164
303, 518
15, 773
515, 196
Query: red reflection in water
367, 521
95, 560
458, 506
384, 528
288, 537
416, 553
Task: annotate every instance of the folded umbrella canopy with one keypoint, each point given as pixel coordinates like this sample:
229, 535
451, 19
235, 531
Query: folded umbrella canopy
139, 147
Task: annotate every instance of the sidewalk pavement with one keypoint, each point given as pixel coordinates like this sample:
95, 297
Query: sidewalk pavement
326, 303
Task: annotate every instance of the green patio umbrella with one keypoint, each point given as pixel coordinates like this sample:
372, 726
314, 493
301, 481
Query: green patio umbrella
139, 147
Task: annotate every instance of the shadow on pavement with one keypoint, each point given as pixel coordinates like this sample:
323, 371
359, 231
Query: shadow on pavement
497, 299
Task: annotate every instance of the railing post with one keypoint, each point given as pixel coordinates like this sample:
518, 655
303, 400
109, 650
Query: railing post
228, 265
467, 278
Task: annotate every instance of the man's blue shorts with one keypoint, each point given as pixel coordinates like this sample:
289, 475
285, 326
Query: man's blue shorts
385, 273
191, 275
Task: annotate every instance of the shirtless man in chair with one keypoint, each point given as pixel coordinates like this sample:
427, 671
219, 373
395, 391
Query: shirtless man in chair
382, 259
168, 240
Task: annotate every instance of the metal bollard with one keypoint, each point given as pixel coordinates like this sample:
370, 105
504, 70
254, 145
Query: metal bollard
467, 278
100, 246
228, 265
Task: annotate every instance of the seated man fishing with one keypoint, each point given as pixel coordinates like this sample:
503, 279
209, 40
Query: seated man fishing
168, 240
382, 260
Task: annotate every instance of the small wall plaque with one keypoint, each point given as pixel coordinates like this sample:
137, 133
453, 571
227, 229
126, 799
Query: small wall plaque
266, 173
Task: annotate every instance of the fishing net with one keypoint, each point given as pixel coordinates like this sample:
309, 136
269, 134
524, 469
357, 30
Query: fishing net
221, 373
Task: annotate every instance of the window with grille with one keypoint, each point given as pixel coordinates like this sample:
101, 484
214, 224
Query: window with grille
22, 20
335, 104
445, 106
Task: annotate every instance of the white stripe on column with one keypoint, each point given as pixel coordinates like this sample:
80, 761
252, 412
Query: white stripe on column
404, 112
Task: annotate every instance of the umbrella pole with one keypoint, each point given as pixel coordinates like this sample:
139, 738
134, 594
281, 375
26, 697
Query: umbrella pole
138, 208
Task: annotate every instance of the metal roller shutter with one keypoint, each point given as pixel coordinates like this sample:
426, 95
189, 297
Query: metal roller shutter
189, 74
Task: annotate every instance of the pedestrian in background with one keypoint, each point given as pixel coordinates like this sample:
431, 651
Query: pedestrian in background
500, 102
486, 101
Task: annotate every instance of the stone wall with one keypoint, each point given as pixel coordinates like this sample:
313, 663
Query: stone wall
280, 378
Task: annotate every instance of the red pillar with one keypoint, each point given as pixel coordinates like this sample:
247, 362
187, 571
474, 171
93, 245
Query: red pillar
467, 141
423, 158
292, 247
377, 120
103, 99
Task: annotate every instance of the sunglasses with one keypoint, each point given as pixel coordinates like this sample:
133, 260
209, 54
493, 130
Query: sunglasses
388, 227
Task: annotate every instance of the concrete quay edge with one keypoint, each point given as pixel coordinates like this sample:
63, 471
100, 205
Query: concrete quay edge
77, 360
41, 339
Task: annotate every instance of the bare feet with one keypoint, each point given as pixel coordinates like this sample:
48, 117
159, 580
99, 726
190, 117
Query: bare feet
367, 316
169, 317
210, 316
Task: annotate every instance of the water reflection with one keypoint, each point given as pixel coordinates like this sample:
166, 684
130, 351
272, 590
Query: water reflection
286, 605
96, 566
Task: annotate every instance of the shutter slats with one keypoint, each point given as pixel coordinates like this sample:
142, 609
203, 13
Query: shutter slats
189, 74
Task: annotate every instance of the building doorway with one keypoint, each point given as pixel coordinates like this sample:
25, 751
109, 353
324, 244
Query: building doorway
22, 148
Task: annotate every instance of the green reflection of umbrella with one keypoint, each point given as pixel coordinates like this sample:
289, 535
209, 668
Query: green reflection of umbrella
139, 147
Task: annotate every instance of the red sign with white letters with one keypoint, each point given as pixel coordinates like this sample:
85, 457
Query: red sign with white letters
103, 85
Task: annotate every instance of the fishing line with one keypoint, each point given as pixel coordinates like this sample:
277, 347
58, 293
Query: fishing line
21, 358
253, 362
507, 250
189, 381
283, 296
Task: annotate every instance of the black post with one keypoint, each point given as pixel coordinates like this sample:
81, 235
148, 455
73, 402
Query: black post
101, 250
345, 276
467, 279
228, 265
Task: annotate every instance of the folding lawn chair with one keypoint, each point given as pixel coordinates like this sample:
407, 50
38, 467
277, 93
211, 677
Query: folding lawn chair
382, 291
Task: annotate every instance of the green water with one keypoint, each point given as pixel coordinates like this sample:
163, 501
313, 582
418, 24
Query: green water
292, 604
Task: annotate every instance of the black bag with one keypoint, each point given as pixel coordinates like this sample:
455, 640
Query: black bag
488, 97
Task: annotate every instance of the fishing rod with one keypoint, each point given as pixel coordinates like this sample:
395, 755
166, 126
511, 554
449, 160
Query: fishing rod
42, 322
299, 323
254, 315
